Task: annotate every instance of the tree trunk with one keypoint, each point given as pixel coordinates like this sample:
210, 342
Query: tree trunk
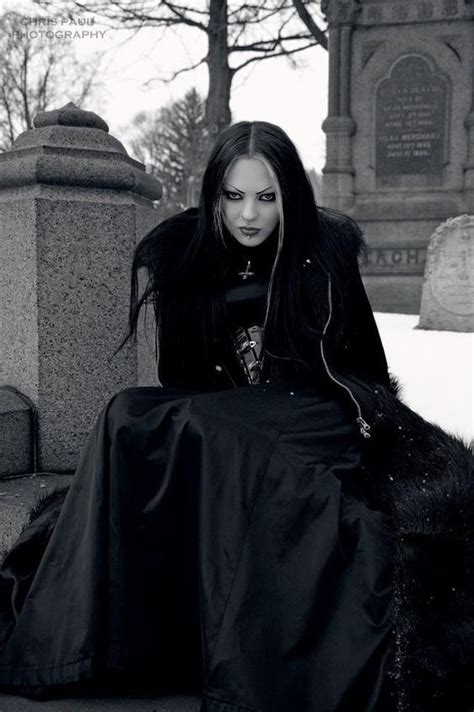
220, 74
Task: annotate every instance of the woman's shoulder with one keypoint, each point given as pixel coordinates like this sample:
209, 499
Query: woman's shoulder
341, 230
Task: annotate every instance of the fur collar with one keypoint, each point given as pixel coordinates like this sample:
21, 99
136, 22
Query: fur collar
422, 478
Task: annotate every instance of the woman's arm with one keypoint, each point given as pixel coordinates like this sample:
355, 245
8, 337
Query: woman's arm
363, 351
357, 347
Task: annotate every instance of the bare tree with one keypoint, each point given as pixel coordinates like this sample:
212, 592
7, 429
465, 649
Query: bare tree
37, 74
171, 142
238, 34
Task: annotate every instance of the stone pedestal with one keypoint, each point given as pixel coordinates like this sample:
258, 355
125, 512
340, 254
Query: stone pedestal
447, 302
407, 69
72, 206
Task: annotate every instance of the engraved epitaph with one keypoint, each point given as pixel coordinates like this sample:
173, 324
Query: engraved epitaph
412, 110
447, 301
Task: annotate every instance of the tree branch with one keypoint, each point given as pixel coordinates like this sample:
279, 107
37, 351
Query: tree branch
306, 18
181, 16
256, 14
255, 9
282, 53
177, 73
124, 12
271, 44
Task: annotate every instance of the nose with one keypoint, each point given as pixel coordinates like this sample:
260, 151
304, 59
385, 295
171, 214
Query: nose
249, 210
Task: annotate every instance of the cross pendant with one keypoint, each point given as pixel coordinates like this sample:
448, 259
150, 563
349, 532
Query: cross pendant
248, 271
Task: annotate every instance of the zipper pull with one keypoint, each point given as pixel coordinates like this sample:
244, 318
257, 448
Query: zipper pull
364, 427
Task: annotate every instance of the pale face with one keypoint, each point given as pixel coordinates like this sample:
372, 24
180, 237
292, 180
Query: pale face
248, 204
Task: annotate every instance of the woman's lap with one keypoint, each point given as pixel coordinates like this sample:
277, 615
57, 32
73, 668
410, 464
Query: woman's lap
197, 514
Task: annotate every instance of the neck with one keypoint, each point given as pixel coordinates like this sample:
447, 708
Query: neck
260, 257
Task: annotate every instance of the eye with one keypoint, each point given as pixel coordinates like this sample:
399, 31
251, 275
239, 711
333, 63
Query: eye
231, 195
267, 197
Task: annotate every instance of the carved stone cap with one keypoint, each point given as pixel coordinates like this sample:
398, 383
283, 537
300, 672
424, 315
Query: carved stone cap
70, 115
71, 147
341, 12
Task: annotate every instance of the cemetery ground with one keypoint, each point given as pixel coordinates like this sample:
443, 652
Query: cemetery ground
435, 369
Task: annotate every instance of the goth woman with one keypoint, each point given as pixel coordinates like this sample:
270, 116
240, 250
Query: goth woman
254, 528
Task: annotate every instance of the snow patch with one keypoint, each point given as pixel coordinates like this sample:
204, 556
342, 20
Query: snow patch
435, 369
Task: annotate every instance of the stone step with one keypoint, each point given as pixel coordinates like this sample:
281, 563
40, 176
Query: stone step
9, 703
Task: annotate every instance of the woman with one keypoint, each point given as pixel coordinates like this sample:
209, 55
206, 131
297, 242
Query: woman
238, 532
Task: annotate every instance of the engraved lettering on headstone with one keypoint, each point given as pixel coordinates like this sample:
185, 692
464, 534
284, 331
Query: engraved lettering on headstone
450, 8
425, 11
411, 120
412, 257
395, 259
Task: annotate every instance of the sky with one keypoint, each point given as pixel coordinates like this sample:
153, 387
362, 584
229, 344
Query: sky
295, 99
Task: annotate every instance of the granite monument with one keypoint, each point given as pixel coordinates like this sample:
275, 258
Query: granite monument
400, 131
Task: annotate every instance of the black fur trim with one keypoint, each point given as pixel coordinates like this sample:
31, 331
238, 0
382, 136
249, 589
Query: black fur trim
422, 477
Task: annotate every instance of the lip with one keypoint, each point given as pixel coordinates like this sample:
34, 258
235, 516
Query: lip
249, 231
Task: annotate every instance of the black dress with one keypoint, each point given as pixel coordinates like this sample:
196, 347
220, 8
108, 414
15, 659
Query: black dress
211, 541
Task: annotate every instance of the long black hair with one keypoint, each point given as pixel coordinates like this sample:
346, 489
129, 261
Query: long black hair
184, 274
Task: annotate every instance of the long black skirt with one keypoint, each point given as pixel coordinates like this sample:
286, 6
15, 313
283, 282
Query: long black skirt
214, 541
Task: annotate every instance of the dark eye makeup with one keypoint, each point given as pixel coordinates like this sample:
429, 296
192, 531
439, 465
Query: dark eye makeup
264, 197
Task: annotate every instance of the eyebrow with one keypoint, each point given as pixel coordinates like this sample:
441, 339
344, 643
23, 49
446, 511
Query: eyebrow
243, 192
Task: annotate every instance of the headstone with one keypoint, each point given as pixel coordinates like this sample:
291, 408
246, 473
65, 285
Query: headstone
72, 206
412, 123
400, 131
447, 302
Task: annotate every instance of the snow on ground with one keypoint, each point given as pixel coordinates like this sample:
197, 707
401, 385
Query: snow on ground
435, 368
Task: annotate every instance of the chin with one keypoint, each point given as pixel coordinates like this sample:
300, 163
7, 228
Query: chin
254, 242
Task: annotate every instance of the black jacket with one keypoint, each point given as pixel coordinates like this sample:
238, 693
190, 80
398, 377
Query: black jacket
351, 344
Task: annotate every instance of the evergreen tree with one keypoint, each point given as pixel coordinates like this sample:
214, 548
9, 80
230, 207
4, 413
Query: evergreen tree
172, 144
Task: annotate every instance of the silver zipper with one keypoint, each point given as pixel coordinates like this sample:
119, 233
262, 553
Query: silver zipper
364, 427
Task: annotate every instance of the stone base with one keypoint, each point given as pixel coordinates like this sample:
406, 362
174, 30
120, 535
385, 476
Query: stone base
450, 322
397, 230
394, 293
